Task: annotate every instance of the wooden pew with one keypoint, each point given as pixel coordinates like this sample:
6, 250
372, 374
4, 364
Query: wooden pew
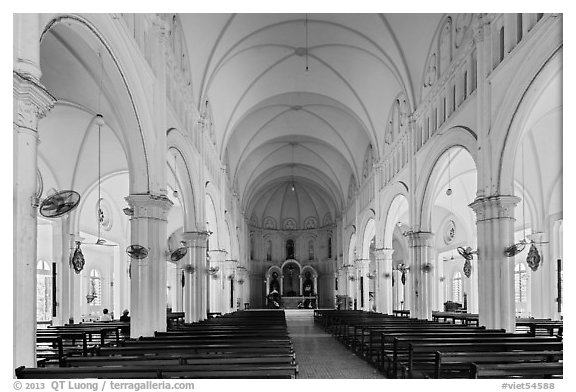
181, 359
153, 372
517, 370
421, 354
457, 364
53, 348
388, 338
101, 332
72, 342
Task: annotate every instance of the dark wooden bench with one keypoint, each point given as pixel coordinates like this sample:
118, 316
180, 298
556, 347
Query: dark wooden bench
152, 372
386, 345
539, 327
49, 348
180, 359
517, 370
421, 354
71, 341
457, 364
102, 334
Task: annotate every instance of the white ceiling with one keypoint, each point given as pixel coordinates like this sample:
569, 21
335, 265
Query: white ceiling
272, 117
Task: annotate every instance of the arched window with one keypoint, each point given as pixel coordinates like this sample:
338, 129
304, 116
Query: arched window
329, 247
252, 248
269, 250
95, 288
290, 249
311, 250
43, 291
457, 288
520, 282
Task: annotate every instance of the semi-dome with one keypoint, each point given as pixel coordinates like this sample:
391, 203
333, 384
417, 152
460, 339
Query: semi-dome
292, 204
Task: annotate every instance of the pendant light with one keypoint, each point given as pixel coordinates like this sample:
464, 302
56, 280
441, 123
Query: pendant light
100, 123
175, 192
449, 190
292, 166
306, 28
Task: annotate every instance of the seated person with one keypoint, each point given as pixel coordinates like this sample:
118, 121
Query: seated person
300, 305
105, 315
125, 316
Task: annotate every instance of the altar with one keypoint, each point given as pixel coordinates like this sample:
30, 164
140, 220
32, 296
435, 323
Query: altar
292, 302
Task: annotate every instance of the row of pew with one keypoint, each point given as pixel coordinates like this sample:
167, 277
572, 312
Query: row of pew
55, 342
403, 347
244, 344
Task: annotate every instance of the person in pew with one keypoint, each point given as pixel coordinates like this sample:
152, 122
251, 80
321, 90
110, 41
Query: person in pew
105, 315
125, 316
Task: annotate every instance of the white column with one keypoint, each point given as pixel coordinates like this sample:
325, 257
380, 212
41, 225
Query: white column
31, 102
241, 282
495, 225
201, 275
422, 271
542, 294
228, 297
65, 274
315, 280
179, 305
148, 275
384, 280
188, 267
217, 280
363, 267
300, 280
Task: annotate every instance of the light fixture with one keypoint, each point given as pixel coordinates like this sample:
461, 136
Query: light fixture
292, 167
306, 26
175, 192
449, 190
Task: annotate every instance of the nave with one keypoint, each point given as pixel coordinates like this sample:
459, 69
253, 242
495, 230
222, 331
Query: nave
196, 169
307, 344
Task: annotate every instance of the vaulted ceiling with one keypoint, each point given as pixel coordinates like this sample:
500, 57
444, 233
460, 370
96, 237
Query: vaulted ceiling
275, 120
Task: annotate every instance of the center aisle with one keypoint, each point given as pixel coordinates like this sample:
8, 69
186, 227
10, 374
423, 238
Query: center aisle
318, 354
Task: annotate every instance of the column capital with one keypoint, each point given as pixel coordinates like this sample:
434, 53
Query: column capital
196, 238
480, 26
362, 262
419, 238
494, 207
31, 100
539, 237
383, 254
149, 206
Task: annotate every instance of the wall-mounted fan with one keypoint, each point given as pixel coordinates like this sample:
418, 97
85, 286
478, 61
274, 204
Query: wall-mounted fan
189, 268
533, 259
137, 252
427, 268
468, 255
58, 204
178, 253
513, 250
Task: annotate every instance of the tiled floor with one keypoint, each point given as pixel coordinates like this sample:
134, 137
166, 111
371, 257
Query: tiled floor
319, 355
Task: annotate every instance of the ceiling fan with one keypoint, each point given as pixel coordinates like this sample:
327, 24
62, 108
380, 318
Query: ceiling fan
99, 240
178, 253
468, 254
137, 252
533, 259
59, 203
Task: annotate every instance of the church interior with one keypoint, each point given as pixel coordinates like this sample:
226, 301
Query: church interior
239, 184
